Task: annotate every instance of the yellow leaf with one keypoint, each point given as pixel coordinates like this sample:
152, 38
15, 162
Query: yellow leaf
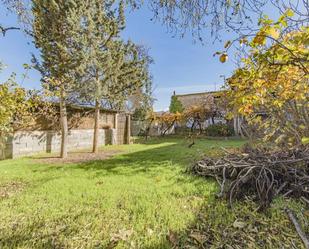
305, 140
289, 13
223, 58
274, 33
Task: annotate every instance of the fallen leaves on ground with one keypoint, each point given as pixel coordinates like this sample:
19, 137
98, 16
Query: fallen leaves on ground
11, 188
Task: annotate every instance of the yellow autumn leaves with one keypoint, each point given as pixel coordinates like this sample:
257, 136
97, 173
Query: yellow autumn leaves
273, 82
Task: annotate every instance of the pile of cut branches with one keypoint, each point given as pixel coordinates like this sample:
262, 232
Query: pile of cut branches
259, 174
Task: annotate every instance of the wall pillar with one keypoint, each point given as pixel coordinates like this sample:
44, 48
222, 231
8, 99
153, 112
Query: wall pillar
115, 131
116, 121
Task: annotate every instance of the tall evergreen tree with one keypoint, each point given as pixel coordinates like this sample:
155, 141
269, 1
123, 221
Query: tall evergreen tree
102, 24
56, 30
110, 68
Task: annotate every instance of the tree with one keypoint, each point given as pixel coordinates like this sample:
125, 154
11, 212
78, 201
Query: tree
167, 121
111, 69
56, 30
274, 80
23, 12
176, 105
216, 16
101, 30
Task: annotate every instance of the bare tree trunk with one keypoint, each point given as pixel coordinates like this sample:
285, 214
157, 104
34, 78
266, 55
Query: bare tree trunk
95, 148
240, 127
64, 126
235, 125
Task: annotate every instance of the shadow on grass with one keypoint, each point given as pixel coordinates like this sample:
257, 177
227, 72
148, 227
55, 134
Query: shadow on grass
173, 155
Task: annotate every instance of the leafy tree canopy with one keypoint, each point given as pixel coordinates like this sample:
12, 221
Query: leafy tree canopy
273, 79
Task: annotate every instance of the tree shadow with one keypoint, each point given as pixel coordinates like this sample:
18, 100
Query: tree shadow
172, 155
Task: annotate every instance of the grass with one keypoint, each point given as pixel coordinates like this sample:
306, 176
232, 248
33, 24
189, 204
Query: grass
137, 199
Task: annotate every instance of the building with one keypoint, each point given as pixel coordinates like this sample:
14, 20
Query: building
45, 136
210, 100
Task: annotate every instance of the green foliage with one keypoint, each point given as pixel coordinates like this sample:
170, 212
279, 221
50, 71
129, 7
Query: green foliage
143, 192
139, 114
57, 30
111, 69
176, 105
219, 130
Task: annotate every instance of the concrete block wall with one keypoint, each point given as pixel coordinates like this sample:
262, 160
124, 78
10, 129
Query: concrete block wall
24, 143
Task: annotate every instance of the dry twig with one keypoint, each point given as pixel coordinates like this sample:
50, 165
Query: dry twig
297, 226
259, 173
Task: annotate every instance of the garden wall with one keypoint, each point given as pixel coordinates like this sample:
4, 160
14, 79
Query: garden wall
45, 137
24, 143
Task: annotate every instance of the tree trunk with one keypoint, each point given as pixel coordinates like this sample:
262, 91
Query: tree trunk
95, 148
64, 126
235, 125
241, 128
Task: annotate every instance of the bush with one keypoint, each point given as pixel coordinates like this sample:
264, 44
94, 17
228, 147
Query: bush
219, 130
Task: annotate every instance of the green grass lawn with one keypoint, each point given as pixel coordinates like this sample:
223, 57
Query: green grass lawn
132, 200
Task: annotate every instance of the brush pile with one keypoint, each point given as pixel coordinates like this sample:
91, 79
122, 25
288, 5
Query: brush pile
259, 174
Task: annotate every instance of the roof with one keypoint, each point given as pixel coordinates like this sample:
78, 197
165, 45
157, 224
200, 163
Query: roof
200, 93
89, 107
201, 98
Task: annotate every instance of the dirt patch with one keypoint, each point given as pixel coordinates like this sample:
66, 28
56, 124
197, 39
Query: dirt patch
11, 188
79, 157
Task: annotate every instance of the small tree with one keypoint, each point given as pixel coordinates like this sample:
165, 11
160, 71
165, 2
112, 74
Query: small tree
176, 105
274, 80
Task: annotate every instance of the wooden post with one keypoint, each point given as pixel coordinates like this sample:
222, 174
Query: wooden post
128, 128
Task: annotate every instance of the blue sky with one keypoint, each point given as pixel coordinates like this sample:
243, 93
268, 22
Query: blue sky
180, 64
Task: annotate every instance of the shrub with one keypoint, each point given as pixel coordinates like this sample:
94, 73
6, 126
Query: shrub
219, 130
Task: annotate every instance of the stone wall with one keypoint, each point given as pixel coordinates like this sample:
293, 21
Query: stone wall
24, 143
